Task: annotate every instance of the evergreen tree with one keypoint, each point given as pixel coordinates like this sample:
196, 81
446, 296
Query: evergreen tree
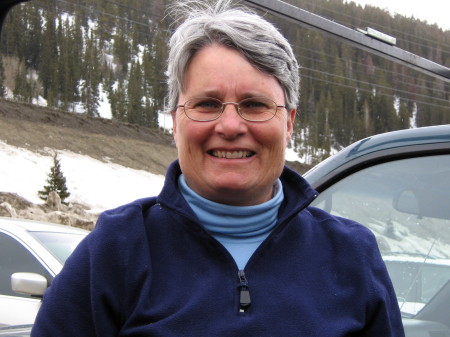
92, 77
121, 49
136, 111
118, 99
55, 182
49, 59
103, 30
154, 60
69, 64
32, 36
150, 89
345, 94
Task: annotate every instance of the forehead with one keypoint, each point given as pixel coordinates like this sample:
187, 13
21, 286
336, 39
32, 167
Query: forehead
220, 71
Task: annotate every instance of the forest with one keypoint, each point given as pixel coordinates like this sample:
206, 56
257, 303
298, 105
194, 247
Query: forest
71, 54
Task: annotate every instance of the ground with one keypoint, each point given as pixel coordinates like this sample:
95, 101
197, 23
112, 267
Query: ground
35, 128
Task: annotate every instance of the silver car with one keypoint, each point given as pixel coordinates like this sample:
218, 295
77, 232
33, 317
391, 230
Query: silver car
31, 255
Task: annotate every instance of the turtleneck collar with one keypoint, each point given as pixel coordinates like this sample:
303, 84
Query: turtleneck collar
238, 228
234, 221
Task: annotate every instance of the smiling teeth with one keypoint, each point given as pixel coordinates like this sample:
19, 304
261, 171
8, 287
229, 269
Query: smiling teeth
232, 155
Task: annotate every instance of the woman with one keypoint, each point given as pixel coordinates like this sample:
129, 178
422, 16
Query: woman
229, 247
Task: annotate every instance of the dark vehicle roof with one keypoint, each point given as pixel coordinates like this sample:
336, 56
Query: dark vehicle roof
380, 148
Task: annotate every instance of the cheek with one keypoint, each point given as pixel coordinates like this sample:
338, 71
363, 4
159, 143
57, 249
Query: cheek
189, 136
274, 136
180, 126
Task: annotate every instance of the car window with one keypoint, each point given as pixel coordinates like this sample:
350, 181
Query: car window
406, 204
61, 245
14, 258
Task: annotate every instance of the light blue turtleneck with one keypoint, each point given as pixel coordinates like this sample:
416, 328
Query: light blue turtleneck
240, 229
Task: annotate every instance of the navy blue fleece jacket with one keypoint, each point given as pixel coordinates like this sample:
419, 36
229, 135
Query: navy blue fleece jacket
150, 269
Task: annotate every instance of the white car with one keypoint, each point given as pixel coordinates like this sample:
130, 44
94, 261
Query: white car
31, 255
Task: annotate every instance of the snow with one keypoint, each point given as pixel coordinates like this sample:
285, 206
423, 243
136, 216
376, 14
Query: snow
165, 121
104, 105
101, 185
291, 155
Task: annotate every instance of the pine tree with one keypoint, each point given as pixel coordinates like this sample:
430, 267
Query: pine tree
135, 92
121, 50
55, 182
49, 59
119, 103
90, 94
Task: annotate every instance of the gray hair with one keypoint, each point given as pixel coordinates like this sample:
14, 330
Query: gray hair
205, 23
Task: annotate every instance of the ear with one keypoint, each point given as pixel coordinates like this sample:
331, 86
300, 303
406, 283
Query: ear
290, 124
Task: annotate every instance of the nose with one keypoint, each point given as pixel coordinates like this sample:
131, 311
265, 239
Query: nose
230, 124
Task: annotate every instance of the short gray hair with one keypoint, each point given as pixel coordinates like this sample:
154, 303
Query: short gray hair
205, 23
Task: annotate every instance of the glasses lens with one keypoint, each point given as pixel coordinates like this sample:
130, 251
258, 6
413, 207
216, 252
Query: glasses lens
257, 109
203, 108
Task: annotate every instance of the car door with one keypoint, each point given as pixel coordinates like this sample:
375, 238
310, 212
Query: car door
406, 204
15, 257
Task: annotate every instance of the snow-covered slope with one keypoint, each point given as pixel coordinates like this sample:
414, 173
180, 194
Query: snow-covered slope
91, 182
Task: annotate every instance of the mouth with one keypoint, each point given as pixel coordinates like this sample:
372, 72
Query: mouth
231, 154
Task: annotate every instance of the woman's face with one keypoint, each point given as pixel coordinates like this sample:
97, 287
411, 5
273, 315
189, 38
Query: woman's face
231, 160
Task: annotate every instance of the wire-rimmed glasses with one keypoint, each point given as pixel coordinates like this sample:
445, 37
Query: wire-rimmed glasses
254, 109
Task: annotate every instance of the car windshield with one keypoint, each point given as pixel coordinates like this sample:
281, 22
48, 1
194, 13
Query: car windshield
406, 205
61, 245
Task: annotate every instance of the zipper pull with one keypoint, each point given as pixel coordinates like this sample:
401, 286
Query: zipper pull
244, 293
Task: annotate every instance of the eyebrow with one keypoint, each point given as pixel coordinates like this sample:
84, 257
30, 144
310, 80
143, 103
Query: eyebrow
217, 94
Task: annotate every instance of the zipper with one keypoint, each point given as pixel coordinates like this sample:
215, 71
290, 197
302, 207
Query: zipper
244, 293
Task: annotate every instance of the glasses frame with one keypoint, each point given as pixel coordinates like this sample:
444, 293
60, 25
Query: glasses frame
238, 108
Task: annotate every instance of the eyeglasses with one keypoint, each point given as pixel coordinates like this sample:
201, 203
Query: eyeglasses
254, 109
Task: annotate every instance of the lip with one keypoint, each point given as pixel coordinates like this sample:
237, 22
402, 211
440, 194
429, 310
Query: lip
231, 154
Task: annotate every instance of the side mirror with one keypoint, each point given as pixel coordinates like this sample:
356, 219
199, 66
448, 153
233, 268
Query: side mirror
29, 283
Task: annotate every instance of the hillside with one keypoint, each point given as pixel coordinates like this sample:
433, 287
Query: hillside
38, 129
130, 145
120, 59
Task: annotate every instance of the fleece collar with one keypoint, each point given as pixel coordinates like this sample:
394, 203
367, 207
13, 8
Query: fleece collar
298, 194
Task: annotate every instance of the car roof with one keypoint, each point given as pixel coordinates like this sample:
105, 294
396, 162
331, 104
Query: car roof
396, 139
21, 230
379, 148
12, 224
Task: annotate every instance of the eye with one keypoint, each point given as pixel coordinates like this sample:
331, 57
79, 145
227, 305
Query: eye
256, 103
205, 104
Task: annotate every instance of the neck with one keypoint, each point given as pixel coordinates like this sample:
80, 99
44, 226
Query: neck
239, 228
227, 220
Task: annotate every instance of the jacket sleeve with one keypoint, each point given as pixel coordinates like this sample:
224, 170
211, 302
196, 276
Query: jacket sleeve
86, 298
